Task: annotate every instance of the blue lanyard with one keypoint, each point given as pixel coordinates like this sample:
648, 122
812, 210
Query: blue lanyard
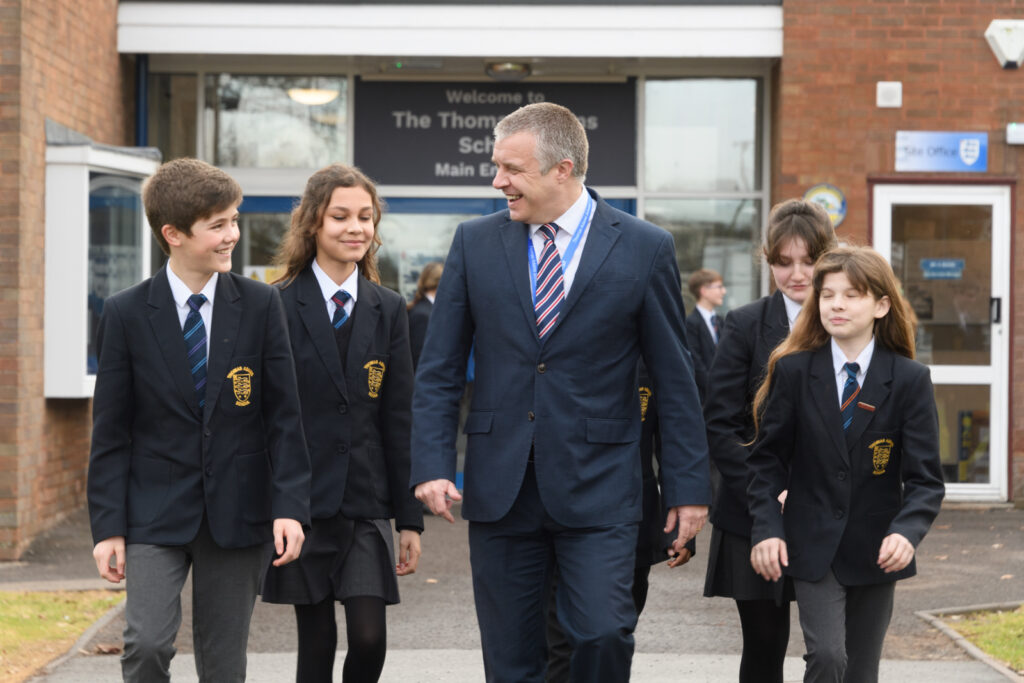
569, 251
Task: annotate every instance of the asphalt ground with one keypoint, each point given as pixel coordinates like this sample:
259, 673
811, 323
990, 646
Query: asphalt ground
973, 556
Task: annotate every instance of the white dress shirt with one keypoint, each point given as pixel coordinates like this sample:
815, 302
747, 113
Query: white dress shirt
329, 288
181, 293
839, 360
567, 223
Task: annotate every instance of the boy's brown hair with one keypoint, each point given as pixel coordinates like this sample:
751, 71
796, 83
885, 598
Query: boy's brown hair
704, 276
184, 191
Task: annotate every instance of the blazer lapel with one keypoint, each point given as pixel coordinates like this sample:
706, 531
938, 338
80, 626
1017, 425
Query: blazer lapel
227, 314
163, 318
601, 237
776, 321
364, 326
826, 400
313, 312
514, 236
875, 391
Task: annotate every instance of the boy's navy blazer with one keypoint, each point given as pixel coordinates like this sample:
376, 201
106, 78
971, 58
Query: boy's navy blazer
847, 490
158, 464
356, 416
749, 335
571, 398
419, 317
702, 348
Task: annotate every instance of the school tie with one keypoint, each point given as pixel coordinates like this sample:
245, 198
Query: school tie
716, 325
850, 391
195, 346
340, 298
550, 293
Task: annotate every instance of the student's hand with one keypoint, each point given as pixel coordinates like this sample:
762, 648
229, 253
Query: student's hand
438, 495
691, 519
768, 557
288, 538
680, 559
895, 554
408, 552
112, 547
782, 499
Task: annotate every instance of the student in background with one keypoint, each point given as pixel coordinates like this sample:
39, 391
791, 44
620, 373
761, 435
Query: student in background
704, 325
350, 338
798, 233
849, 440
421, 305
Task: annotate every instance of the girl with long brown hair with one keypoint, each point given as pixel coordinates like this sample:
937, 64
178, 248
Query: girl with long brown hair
847, 428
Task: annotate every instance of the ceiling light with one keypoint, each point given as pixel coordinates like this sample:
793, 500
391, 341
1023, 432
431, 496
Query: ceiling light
312, 96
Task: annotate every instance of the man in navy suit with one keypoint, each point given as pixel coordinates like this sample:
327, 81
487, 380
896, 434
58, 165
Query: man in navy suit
560, 295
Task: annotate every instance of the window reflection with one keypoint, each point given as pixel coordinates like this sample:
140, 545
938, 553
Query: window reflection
275, 121
412, 240
964, 432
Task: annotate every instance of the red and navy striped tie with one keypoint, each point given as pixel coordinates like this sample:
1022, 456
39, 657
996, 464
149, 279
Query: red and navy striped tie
195, 345
550, 292
340, 298
850, 391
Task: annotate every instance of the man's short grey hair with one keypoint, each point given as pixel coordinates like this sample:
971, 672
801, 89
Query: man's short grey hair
559, 135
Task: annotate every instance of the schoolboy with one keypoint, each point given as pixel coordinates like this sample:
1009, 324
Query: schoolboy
704, 325
197, 442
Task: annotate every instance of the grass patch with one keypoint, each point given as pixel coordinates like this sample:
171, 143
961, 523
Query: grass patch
999, 633
37, 627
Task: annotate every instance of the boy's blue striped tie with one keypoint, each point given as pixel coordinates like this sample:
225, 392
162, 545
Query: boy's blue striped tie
850, 391
195, 346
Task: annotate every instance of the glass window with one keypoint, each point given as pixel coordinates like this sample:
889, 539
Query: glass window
411, 240
964, 432
260, 235
115, 245
275, 121
702, 135
721, 234
172, 114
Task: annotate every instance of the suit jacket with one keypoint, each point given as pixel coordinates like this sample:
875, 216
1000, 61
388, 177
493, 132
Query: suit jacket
158, 464
702, 348
847, 490
355, 412
419, 316
749, 335
572, 397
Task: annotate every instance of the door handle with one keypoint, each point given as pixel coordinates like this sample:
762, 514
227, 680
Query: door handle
995, 310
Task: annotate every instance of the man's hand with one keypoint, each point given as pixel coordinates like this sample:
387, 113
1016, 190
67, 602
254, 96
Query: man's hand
691, 519
288, 538
438, 495
895, 554
408, 552
112, 547
768, 557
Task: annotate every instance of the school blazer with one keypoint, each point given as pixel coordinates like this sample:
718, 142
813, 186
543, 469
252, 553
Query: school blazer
355, 415
157, 463
419, 316
847, 491
749, 335
702, 348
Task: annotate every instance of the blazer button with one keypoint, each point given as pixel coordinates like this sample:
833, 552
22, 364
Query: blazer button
209, 471
841, 475
542, 368
342, 449
342, 408
206, 432
530, 416
839, 513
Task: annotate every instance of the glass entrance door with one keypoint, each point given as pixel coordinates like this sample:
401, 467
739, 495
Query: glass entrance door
949, 245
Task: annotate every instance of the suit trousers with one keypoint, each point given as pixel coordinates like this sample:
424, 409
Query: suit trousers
513, 561
844, 628
225, 583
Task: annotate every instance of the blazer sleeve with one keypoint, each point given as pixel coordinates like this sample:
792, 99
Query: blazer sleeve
397, 409
725, 408
769, 460
286, 442
441, 373
112, 416
685, 472
920, 468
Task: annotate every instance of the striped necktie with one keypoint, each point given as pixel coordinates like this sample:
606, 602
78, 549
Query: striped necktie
550, 293
850, 391
340, 298
195, 346
716, 325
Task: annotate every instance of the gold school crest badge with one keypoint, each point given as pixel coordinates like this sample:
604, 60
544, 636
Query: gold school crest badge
375, 376
241, 384
880, 452
645, 399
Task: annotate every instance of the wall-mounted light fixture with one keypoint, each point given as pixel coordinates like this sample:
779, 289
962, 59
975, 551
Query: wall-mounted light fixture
508, 71
1006, 39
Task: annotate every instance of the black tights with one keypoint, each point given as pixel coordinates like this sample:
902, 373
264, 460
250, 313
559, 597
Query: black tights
765, 638
366, 629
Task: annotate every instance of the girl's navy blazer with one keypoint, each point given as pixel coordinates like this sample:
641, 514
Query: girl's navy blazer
847, 490
355, 415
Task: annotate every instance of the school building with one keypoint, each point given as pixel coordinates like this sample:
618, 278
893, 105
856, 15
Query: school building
904, 117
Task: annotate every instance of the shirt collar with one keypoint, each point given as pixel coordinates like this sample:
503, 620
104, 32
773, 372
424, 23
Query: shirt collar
181, 292
839, 358
329, 287
570, 220
706, 314
792, 310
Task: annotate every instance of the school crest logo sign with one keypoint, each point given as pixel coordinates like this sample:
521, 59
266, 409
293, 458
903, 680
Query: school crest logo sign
241, 384
970, 150
881, 450
374, 377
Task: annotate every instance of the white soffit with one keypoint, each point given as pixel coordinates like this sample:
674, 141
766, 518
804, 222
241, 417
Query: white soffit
450, 30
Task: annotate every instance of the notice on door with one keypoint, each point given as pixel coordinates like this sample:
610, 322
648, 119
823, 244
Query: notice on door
426, 133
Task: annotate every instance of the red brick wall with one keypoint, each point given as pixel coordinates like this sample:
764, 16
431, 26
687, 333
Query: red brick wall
59, 60
828, 129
